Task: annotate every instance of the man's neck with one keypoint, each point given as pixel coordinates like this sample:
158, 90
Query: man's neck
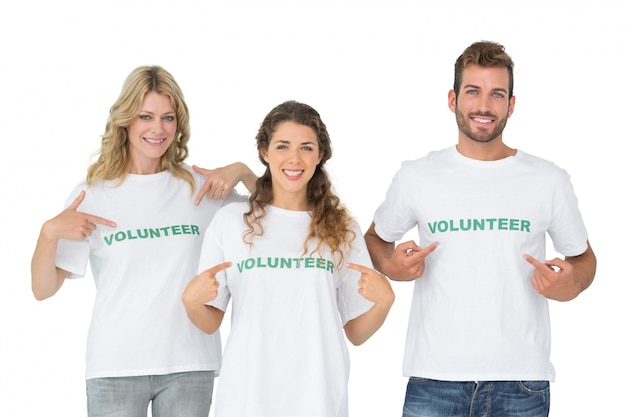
484, 151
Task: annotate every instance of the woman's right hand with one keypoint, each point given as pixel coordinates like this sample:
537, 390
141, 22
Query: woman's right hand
203, 287
73, 224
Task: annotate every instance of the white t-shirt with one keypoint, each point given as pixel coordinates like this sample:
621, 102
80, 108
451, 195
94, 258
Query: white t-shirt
475, 314
286, 353
141, 267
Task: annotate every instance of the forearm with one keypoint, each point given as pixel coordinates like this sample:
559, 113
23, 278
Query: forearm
250, 180
46, 278
379, 249
247, 177
206, 318
584, 270
360, 329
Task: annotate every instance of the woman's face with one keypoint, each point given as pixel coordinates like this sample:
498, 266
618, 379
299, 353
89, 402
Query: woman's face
293, 155
151, 133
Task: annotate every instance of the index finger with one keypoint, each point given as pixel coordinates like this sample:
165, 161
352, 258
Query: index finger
428, 249
533, 261
205, 190
360, 268
201, 193
219, 267
100, 220
206, 186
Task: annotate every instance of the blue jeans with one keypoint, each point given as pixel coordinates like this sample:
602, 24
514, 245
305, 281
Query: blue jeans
181, 394
430, 398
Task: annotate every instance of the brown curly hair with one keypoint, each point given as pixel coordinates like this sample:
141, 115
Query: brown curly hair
330, 220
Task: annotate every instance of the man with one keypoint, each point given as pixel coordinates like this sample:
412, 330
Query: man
478, 341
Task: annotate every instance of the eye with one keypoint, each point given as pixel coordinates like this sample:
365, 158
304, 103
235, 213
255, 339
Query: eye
281, 146
472, 92
498, 95
169, 118
144, 117
307, 148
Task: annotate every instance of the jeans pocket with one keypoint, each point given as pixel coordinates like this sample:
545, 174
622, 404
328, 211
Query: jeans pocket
535, 387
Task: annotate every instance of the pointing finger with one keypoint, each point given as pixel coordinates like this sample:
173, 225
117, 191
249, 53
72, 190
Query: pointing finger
100, 220
360, 268
219, 267
426, 251
533, 261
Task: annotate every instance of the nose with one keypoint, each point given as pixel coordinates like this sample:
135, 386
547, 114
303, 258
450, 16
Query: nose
157, 125
483, 102
294, 156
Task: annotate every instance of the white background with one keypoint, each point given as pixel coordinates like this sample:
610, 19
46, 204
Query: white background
379, 73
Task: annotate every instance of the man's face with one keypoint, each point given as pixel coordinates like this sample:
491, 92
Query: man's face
482, 106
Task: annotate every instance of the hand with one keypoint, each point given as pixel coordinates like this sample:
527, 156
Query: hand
220, 181
73, 224
203, 287
408, 261
554, 279
374, 286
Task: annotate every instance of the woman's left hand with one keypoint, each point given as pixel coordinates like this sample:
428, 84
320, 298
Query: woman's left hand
374, 286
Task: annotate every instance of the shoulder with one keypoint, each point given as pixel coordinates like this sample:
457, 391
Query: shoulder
431, 158
233, 210
539, 164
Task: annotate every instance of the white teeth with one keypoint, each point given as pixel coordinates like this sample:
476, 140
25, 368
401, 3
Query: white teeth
154, 140
482, 120
292, 173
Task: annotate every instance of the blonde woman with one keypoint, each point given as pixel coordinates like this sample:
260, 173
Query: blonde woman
135, 221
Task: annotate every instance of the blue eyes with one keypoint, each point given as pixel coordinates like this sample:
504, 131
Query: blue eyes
149, 117
475, 92
304, 148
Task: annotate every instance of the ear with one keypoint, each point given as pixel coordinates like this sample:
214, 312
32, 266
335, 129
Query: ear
452, 101
511, 107
263, 153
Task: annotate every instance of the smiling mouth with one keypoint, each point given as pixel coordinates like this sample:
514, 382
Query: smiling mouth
482, 120
154, 141
293, 173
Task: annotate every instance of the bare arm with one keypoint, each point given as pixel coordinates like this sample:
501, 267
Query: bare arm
199, 291
46, 278
564, 280
376, 288
379, 249
221, 181
404, 262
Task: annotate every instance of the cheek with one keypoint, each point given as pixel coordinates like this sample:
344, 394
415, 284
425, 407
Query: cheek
133, 134
173, 129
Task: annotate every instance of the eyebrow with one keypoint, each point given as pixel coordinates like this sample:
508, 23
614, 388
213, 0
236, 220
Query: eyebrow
503, 90
149, 112
289, 142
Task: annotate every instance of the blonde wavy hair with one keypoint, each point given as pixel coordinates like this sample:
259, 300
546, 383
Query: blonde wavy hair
113, 159
330, 220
